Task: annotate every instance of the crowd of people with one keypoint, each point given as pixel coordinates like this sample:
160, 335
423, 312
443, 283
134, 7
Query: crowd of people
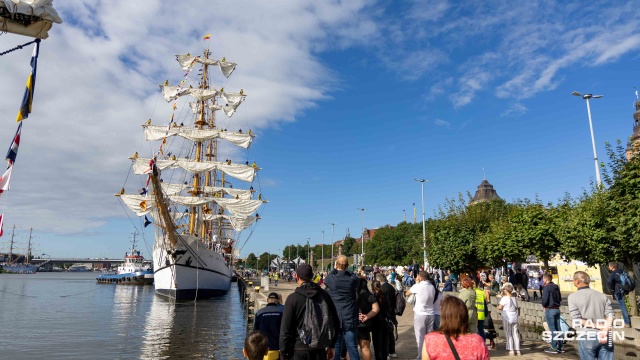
341, 313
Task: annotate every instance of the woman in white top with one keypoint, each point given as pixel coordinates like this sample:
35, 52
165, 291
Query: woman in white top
509, 306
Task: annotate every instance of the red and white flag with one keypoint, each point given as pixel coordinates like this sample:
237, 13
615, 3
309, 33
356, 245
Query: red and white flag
1, 223
4, 180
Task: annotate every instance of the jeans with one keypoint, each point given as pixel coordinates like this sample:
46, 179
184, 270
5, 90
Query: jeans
552, 317
590, 349
623, 307
422, 325
349, 339
481, 330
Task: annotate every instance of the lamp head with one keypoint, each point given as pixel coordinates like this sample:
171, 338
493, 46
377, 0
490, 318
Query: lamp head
575, 93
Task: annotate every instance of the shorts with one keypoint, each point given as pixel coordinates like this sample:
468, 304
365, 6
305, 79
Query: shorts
364, 333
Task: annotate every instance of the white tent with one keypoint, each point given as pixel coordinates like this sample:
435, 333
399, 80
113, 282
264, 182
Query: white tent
276, 263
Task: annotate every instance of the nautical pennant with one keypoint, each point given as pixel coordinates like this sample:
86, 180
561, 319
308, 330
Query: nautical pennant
13, 149
1, 223
5, 179
146, 223
27, 98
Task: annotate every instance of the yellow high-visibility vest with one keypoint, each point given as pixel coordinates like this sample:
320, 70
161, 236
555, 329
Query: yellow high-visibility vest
480, 303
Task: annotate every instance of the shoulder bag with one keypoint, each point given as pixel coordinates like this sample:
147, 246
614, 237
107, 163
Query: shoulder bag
453, 348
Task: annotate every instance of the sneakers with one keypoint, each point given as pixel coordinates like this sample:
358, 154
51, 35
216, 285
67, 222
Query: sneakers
511, 353
393, 355
551, 351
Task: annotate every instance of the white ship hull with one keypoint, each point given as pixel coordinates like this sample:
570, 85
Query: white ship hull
192, 272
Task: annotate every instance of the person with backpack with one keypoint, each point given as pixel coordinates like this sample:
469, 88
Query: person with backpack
382, 324
309, 322
620, 284
368, 309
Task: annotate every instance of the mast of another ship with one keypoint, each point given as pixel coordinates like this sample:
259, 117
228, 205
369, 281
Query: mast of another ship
29, 248
13, 232
133, 243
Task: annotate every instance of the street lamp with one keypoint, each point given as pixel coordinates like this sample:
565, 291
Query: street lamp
362, 238
332, 228
424, 232
322, 250
593, 141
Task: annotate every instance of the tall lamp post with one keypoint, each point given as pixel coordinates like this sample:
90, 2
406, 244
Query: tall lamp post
593, 141
322, 250
424, 232
362, 238
332, 228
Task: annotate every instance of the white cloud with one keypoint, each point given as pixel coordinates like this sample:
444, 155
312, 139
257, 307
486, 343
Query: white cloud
516, 109
97, 82
441, 122
515, 51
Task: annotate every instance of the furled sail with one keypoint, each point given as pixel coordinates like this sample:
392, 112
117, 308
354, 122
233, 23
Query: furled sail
28, 17
155, 133
172, 92
229, 108
238, 171
237, 223
186, 61
174, 189
239, 209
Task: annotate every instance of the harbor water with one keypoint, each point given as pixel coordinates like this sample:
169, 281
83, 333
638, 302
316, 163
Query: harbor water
70, 316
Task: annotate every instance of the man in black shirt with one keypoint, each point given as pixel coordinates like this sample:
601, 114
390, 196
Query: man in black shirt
341, 285
389, 294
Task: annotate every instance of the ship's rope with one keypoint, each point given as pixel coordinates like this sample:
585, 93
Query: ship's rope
80, 293
19, 47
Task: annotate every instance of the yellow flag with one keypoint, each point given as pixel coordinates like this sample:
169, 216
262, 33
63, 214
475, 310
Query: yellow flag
207, 37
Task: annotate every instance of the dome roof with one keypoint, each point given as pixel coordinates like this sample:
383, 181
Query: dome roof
485, 192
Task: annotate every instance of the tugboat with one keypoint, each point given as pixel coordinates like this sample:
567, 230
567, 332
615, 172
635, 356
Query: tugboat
131, 272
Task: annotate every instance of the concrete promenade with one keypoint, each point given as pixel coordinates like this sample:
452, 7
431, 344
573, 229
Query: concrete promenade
406, 347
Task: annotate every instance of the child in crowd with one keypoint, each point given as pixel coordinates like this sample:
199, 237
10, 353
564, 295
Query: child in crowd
256, 346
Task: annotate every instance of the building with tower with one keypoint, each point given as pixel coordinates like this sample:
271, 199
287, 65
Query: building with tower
633, 146
485, 192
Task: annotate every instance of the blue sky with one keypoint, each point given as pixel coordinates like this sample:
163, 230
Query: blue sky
350, 102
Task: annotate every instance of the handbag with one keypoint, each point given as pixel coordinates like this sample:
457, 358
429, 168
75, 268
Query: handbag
453, 348
411, 299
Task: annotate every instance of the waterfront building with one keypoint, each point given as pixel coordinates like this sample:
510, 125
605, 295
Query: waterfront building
485, 192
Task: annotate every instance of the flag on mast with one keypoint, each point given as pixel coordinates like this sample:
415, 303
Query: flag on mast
5, 179
12, 153
207, 37
1, 223
27, 98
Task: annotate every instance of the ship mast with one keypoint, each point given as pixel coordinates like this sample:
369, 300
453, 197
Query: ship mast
196, 177
133, 243
29, 248
13, 232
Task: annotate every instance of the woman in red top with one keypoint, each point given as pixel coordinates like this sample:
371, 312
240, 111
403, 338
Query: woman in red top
454, 324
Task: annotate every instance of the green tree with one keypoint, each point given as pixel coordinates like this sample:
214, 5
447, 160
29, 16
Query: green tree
347, 246
392, 246
252, 261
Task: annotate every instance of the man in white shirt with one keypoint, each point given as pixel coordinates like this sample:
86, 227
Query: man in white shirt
423, 310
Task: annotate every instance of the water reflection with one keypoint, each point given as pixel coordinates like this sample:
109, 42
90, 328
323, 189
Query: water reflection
211, 329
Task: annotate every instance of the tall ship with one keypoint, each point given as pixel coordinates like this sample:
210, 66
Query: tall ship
13, 265
196, 209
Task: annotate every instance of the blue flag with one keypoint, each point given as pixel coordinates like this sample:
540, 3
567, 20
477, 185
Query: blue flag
27, 99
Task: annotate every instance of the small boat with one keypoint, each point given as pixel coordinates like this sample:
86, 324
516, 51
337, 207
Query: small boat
133, 271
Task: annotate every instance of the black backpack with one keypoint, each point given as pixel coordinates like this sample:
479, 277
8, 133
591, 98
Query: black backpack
317, 328
401, 303
626, 282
